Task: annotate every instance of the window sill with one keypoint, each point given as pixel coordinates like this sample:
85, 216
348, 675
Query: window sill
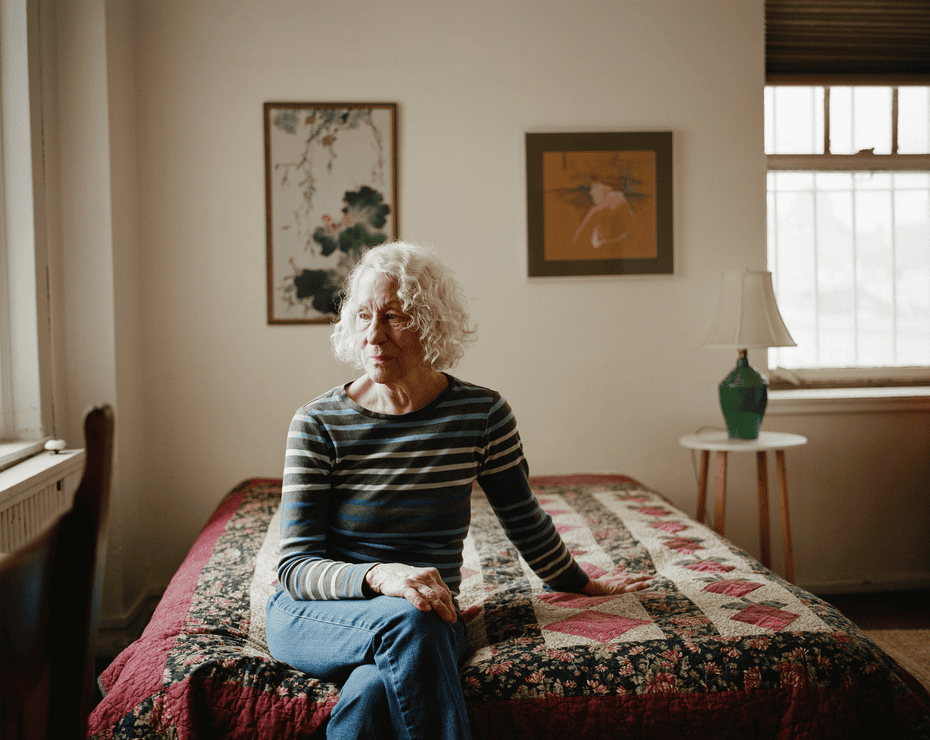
14, 452
848, 400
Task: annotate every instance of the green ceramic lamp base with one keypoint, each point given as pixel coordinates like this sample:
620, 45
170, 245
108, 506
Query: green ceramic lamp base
743, 398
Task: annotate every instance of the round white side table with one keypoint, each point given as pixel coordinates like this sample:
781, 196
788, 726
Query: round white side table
720, 443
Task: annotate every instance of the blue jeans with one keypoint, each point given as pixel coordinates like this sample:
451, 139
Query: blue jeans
397, 667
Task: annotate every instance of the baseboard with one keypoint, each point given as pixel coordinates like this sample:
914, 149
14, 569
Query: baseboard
910, 582
117, 633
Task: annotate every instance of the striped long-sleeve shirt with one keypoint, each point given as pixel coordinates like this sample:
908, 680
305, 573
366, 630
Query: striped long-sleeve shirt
362, 488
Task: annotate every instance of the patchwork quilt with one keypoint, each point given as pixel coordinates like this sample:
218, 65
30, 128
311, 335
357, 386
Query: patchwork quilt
716, 647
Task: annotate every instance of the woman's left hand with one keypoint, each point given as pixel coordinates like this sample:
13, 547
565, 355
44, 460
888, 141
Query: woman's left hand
618, 583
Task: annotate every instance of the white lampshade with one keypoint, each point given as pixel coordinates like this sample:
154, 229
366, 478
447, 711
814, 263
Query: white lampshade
747, 314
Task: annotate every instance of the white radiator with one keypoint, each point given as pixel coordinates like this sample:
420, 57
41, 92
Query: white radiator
35, 491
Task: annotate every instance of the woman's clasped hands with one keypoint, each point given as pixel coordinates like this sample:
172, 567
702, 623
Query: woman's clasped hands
422, 587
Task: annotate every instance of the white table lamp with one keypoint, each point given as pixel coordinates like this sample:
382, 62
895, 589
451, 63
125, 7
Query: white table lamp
747, 318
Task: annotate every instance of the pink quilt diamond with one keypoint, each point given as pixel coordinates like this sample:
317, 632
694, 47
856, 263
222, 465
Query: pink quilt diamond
653, 511
670, 527
770, 617
710, 566
732, 588
596, 626
573, 601
684, 544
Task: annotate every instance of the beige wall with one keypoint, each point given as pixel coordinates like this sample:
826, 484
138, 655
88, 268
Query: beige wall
604, 373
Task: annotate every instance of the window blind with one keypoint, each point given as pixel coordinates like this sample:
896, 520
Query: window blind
847, 41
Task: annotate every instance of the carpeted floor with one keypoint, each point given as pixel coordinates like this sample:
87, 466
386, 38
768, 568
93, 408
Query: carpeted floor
899, 622
911, 648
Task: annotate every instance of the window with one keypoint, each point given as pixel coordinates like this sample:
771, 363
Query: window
25, 355
849, 232
6, 372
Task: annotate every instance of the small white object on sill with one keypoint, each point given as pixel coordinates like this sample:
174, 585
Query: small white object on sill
55, 445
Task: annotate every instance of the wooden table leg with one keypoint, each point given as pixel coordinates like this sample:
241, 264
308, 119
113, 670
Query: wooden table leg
702, 487
721, 500
785, 521
762, 474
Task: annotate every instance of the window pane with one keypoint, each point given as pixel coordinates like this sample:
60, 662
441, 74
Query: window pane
794, 120
835, 271
860, 118
873, 181
787, 181
912, 268
874, 283
841, 109
769, 119
791, 215
873, 119
865, 237
913, 120
917, 181
827, 181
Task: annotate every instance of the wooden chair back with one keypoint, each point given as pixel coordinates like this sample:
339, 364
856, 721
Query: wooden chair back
50, 596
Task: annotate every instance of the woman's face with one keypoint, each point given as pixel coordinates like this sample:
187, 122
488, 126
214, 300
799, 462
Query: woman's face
392, 352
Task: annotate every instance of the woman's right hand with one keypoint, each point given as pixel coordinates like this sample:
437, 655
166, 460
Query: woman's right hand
422, 587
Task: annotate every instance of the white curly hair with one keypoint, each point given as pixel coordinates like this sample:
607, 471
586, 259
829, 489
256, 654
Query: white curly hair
429, 293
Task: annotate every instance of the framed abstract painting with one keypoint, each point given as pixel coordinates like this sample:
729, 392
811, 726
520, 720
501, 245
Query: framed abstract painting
599, 203
331, 194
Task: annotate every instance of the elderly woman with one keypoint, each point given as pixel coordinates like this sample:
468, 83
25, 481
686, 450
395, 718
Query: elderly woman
376, 505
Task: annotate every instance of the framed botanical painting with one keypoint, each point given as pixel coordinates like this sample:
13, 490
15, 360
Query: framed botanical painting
599, 203
331, 194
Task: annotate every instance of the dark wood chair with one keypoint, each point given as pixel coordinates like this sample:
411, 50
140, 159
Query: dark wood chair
50, 594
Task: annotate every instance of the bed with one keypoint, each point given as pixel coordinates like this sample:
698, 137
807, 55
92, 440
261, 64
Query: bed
716, 647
